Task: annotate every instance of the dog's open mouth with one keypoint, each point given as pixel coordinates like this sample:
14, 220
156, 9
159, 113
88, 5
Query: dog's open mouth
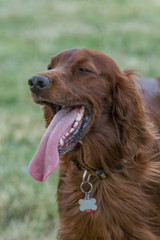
73, 134
63, 133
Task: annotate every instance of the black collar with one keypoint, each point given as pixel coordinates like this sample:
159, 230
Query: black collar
100, 172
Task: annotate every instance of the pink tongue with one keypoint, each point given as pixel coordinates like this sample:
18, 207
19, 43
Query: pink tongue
46, 159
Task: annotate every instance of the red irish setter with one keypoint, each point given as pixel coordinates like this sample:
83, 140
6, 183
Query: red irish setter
105, 126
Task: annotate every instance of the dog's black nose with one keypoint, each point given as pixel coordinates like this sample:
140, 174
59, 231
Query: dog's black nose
37, 83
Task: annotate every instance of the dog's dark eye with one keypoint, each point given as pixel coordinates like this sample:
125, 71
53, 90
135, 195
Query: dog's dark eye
84, 70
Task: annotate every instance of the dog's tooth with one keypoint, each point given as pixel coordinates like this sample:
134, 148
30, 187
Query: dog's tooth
71, 130
79, 116
61, 141
75, 124
82, 109
67, 134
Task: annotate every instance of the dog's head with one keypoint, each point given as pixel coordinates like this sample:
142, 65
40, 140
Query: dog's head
90, 81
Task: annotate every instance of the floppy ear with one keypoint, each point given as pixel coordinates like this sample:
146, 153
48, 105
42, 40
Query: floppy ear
128, 112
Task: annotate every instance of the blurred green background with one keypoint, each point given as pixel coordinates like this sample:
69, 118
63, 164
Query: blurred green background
30, 33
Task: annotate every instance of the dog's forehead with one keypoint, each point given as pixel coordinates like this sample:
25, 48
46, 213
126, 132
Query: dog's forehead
64, 55
75, 54
83, 57
75, 57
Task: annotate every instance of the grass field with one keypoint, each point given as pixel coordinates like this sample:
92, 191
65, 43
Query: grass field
30, 33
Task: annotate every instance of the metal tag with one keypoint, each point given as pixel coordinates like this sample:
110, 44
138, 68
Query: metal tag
88, 204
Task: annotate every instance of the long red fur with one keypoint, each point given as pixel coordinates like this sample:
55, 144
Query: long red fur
122, 126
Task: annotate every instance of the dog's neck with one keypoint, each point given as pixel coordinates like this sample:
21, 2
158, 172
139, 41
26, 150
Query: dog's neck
94, 157
101, 173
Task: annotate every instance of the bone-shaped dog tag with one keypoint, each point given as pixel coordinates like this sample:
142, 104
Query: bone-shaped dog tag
88, 204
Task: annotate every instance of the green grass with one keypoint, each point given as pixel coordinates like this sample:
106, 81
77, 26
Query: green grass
30, 33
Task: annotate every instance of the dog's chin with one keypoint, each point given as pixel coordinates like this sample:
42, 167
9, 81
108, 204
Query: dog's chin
78, 129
